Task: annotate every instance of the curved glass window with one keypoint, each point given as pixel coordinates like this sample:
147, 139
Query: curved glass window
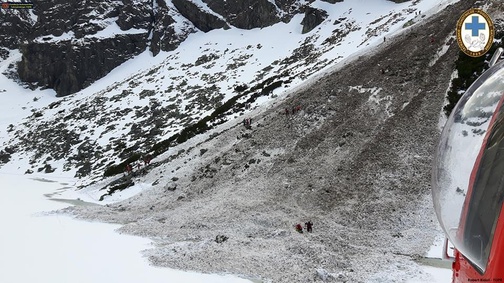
468, 173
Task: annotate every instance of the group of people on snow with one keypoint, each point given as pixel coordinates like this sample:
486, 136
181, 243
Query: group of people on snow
138, 164
308, 227
294, 110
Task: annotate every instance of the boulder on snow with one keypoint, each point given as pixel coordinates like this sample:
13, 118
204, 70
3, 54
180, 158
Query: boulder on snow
171, 187
4, 157
221, 239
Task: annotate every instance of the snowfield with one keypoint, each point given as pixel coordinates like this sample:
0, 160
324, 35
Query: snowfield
40, 245
225, 202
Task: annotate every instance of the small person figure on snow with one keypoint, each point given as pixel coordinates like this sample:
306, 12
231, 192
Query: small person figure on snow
139, 165
299, 228
129, 168
308, 226
247, 123
147, 160
286, 111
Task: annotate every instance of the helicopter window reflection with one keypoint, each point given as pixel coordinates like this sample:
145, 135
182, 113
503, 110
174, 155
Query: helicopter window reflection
487, 196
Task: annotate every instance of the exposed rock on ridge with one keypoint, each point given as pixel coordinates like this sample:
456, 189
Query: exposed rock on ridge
202, 20
313, 17
67, 67
54, 17
16, 25
246, 14
70, 65
135, 15
157, 25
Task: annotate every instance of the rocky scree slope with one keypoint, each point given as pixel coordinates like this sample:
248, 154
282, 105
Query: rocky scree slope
355, 160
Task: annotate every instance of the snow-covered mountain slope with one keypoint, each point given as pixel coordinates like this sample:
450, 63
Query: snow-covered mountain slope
139, 106
355, 159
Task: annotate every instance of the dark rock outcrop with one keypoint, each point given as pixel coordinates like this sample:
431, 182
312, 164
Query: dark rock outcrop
4, 157
15, 25
80, 17
67, 66
313, 17
51, 59
246, 14
138, 15
164, 36
200, 19
291, 8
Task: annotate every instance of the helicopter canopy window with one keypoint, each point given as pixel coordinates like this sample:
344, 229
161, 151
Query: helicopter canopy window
487, 194
468, 171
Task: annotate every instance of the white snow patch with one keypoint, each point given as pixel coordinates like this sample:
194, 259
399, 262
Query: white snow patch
442, 115
442, 50
58, 249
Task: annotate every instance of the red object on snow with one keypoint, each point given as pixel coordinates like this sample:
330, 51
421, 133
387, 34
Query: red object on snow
299, 228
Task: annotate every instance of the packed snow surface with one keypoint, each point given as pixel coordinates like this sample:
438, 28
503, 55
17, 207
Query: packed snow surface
41, 245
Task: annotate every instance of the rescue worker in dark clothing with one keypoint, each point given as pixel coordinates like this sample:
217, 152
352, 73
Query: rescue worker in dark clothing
309, 226
147, 159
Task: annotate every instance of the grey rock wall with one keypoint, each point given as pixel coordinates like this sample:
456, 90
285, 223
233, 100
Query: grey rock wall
67, 67
202, 20
70, 65
313, 17
246, 14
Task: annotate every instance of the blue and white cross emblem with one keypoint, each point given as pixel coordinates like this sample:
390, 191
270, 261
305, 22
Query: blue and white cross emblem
475, 26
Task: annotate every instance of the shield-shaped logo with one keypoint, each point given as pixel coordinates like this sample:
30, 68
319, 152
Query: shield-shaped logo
475, 32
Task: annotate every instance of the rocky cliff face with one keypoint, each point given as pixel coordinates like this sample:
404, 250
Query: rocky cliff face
246, 14
202, 20
66, 45
16, 26
68, 67
68, 51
